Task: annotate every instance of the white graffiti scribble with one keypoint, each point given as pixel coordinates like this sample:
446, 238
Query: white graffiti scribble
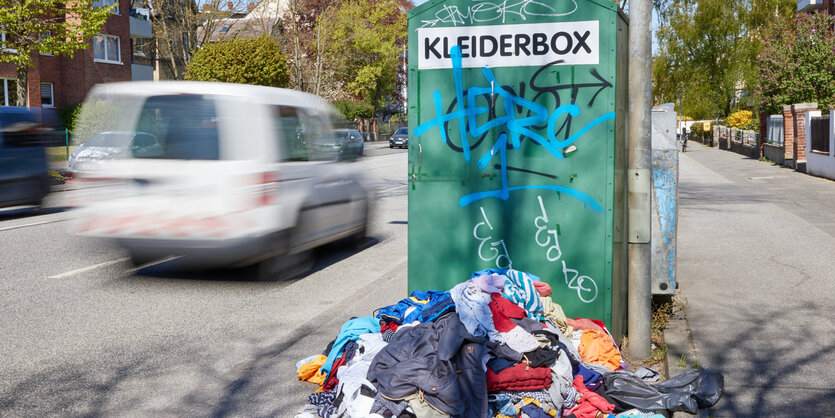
483, 11
584, 285
554, 252
494, 253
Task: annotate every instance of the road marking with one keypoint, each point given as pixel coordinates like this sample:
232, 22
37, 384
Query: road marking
31, 224
93, 267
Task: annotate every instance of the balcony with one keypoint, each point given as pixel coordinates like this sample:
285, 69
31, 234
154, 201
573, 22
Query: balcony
140, 25
805, 6
141, 72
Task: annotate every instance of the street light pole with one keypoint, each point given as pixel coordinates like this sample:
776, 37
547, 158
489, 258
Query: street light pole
639, 172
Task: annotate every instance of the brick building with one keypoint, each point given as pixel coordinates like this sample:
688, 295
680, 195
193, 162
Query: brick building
115, 54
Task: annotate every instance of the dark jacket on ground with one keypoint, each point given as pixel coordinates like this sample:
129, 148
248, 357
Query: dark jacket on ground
439, 358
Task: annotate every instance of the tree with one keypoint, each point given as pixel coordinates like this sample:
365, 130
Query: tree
180, 28
306, 29
259, 61
371, 39
797, 63
354, 110
707, 49
52, 27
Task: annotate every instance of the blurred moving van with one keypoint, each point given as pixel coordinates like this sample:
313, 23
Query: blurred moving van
233, 179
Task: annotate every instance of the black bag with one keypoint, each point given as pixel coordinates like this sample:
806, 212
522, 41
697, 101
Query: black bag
687, 392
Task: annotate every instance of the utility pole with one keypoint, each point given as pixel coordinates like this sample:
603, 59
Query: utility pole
639, 180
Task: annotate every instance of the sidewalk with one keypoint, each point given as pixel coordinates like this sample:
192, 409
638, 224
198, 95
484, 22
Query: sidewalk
754, 248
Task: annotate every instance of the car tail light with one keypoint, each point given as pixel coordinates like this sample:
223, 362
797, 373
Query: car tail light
268, 182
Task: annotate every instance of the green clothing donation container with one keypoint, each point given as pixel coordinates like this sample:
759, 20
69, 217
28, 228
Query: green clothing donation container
517, 147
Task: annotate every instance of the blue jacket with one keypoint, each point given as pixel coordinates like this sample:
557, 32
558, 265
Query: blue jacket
439, 358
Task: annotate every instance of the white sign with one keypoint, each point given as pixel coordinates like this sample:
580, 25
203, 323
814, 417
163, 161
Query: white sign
535, 44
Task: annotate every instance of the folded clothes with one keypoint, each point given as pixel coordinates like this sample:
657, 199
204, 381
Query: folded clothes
519, 377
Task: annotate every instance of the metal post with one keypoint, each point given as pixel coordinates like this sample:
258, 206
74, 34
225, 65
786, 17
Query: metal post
67, 142
639, 172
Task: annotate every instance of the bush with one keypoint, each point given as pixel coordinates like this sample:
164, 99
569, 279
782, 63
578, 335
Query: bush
740, 118
797, 62
69, 115
258, 61
697, 130
354, 110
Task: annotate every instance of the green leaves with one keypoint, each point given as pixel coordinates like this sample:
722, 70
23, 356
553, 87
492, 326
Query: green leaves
46, 26
707, 52
258, 61
797, 63
371, 37
43, 26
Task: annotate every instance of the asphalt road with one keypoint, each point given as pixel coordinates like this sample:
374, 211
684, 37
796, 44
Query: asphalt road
83, 333
755, 244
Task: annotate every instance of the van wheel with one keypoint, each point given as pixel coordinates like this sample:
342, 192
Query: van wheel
284, 266
359, 238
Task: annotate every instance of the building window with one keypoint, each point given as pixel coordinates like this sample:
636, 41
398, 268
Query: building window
143, 51
9, 94
106, 48
47, 98
3, 38
103, 3
45, 36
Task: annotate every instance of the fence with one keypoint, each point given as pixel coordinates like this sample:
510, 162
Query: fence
738, 141
819, 132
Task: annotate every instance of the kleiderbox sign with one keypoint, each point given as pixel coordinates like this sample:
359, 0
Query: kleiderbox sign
571, 43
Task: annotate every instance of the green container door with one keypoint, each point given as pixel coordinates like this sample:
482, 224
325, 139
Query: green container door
517, 148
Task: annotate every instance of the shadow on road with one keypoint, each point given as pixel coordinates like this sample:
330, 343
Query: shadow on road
18, 212
772, 376
178, 268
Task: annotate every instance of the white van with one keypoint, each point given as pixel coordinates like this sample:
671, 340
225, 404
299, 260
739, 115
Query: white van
235, 180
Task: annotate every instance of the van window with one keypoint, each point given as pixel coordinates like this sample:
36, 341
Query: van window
185, 126
291, 132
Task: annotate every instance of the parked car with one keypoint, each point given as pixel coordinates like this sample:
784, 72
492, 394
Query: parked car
400, 138
112, 145
346, 144
24, 170
236, 180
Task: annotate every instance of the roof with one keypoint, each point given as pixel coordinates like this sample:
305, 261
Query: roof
263, 94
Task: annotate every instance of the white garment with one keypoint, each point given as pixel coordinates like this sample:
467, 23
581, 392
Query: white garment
562, 379
352, 377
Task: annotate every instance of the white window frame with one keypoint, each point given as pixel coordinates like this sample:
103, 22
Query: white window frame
4, 84
3, 41
102, 3
44, 35
51, 95
104, 40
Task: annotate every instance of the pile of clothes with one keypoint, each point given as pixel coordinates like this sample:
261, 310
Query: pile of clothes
496, 345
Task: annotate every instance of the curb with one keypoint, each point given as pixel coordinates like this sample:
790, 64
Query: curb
681, 352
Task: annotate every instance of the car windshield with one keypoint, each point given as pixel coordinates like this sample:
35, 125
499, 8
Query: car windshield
111, 139
402, 131
333, 136
185, 126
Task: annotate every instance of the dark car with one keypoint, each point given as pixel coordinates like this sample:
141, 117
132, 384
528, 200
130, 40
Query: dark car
347, 144
400, 138
24, 171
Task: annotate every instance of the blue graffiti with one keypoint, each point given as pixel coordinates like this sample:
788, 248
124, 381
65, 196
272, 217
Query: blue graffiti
664, 181
517, 128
